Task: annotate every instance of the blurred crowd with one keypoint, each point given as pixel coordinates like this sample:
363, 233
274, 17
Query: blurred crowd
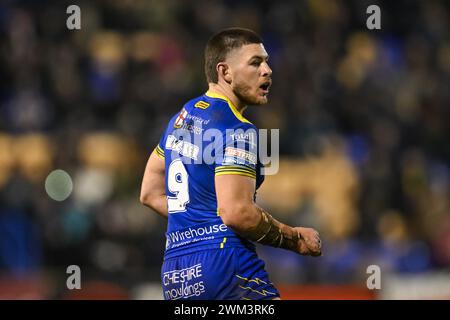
363, 118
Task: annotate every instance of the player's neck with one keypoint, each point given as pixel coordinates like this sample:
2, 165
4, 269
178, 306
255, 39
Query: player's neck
228, 93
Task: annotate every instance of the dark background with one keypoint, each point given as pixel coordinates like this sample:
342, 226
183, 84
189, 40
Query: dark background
363, 118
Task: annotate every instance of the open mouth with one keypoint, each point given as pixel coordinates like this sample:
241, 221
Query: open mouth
265, 87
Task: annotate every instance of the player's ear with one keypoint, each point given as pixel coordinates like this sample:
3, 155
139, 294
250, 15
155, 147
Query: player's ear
224, 72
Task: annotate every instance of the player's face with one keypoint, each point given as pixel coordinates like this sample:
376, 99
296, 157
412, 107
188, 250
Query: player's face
251, 74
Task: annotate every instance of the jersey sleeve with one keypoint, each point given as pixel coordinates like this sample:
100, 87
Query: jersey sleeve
239, 153
159, 149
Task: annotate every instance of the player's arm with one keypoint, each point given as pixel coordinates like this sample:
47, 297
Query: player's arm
153, 190
239, 212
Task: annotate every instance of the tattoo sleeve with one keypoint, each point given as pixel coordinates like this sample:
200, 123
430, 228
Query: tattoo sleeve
273, 233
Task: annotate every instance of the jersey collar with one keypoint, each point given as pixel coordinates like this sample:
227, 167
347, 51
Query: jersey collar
238, 115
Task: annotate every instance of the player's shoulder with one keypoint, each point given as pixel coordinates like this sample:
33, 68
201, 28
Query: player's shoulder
211, 110
224, 113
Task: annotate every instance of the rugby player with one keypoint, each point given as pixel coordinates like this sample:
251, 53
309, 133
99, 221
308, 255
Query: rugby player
209, 201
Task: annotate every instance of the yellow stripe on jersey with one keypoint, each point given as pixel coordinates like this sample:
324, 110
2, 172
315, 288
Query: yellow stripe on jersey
235, 168
230, 104
223, 242
159, 152
222, 170
258, 281
236, 173
263, 292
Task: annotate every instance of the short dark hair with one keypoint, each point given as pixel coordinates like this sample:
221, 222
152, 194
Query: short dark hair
220, 44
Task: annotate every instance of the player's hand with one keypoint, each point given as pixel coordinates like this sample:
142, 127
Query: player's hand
309, 243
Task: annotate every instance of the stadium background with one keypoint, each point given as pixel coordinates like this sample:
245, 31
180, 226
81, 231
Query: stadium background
364, 127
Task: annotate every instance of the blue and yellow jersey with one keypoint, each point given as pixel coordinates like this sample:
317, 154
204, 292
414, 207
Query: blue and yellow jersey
208, 137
